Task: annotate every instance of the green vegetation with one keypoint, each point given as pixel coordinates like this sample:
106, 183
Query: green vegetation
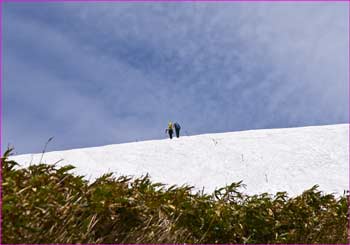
46, 204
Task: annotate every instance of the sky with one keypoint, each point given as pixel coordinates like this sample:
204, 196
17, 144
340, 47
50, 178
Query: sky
91, 74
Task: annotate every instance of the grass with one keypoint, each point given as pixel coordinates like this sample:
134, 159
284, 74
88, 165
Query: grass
46, 204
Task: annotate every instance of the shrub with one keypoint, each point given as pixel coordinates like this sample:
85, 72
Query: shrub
46, 204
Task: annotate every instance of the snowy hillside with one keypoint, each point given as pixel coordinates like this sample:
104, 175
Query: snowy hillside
272, 160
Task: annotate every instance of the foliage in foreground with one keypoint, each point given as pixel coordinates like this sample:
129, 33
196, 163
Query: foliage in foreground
46, 204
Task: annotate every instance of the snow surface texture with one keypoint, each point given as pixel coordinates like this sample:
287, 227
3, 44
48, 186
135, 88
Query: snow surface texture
269, 160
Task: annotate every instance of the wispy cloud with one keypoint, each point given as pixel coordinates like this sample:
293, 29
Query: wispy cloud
101, 73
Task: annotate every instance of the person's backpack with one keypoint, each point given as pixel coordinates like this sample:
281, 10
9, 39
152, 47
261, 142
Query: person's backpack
177, 126
170, 126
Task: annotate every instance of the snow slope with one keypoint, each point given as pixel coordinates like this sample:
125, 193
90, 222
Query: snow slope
268, 160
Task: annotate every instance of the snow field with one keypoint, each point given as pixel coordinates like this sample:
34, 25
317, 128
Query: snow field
268, 160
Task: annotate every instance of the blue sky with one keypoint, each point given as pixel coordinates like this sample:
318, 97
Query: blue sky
92, 74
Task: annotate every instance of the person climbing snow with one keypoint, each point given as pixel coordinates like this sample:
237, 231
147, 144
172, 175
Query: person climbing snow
177, 129
169, 130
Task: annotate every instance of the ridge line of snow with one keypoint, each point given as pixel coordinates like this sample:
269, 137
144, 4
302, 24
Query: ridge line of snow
267, 160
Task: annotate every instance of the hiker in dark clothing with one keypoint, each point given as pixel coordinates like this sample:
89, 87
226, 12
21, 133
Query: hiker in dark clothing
177, 129
169, 130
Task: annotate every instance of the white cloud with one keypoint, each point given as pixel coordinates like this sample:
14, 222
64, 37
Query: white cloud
212, 66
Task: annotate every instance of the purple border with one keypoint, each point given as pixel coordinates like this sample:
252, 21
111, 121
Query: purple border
1, 70
1, 121
348, 198
175, 0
